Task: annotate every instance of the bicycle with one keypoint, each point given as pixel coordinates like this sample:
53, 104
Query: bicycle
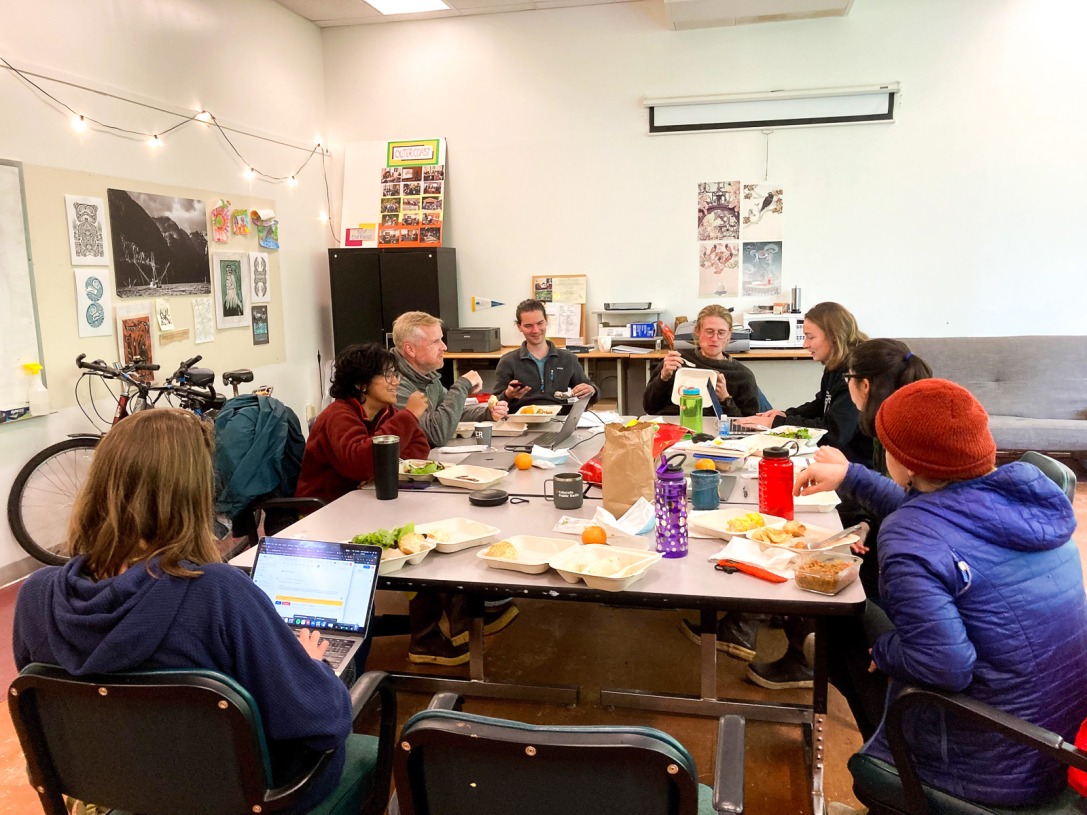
43, 494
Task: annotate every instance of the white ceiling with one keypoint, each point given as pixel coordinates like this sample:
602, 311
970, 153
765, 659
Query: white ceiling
681, 13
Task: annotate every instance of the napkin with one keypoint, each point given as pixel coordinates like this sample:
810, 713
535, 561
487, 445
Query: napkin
464, 448
745, 550
547, 454
633, 528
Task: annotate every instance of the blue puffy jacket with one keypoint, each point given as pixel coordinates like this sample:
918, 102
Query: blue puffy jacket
986, 593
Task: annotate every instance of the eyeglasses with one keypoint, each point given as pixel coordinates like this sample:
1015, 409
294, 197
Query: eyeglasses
720, 333
391, 375
850, 376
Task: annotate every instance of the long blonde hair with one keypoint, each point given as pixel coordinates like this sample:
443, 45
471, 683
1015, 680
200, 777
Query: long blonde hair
840, 328
148, 494
712, 310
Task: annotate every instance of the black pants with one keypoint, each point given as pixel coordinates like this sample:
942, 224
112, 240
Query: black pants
850, 639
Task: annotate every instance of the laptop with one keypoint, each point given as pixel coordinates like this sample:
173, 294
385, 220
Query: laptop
321, 585
733, 428
553, 439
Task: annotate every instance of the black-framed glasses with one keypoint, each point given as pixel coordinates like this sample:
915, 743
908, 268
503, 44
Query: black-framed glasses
850, 376
391, 375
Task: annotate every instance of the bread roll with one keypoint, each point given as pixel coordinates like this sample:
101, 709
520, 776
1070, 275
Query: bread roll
502, 549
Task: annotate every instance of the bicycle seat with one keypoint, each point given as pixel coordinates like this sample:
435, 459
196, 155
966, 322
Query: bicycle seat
237, 377
201, 376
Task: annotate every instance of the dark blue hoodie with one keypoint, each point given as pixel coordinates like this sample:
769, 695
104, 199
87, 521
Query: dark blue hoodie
218, 621
985, 589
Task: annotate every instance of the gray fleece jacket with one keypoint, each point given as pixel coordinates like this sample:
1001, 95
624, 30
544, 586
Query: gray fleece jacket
447, 407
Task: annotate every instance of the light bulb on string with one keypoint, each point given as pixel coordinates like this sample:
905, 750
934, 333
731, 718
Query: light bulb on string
154, 141
79, 123
323, 217
292, 181
249, 174
203, 116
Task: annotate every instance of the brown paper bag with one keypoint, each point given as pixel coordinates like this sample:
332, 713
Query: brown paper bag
627, 466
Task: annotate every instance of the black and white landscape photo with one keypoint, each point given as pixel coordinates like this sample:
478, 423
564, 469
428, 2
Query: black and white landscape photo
160, 244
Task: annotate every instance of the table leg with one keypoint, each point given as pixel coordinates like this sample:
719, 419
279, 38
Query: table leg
817, 733
620, 387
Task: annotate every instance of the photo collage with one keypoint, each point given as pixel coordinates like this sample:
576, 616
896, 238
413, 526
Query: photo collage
412, 202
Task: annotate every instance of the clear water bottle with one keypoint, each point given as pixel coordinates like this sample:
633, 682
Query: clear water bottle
671, 506
776, 482
690, 409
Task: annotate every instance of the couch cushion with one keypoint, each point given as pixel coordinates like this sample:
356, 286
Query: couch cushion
1037, 377
1050, 435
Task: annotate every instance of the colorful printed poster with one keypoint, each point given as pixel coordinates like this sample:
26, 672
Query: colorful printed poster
134, 336
718, 210
718, 268
762, 210
412, 198
259, 279
86, 230
761, 268
203, 320
220, 222
239, 222
260, 325
739, 239
231, 294
93, 302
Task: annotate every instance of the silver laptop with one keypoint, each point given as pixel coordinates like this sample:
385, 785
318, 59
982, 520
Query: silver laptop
554, 438
321, 585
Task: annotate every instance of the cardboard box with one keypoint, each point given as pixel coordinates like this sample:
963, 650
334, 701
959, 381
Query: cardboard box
614, 331
642, 331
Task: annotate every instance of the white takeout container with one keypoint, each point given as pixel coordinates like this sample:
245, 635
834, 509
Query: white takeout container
545, 413
506, 428
633, 563
716, 521
693, 378
464, 533
534, 553
818, 501
464, 429
470, 477
418, 462
393, 560
810, 541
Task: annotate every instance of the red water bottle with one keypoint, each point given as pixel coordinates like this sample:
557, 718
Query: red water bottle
776, 483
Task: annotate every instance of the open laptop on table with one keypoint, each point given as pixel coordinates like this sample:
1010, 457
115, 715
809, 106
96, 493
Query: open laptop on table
321, 585
553, 439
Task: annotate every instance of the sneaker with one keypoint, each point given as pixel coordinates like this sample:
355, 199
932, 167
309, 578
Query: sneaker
791, 671
437, 651
493, 622
730, 641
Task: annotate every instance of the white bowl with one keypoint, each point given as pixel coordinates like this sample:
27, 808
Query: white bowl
545, 413
395, 562
575, 561
464, 533
470, 477
534, 553
716, 521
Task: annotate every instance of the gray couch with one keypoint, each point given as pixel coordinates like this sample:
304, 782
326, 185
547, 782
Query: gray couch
1034, 388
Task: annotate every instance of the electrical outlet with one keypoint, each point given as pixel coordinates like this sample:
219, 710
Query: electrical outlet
311, 413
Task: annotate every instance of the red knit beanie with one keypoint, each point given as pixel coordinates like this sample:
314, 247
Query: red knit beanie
937, 429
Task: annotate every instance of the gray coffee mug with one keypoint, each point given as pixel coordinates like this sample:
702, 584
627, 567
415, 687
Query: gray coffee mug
482, 433
569, 490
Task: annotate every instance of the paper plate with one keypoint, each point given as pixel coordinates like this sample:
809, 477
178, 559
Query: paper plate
470, 477
534, 553
693, 378
462, 533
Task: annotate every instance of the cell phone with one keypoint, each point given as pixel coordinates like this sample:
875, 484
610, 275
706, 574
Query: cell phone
726, 486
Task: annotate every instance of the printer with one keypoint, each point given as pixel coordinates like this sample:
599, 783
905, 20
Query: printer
473, 340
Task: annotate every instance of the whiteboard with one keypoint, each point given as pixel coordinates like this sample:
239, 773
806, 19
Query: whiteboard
19, 342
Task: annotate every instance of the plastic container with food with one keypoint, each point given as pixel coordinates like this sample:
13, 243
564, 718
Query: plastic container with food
393, 560
535, 414
826, 572
524, 553
419, 469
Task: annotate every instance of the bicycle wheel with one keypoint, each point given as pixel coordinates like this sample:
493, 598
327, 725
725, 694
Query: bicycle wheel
43, 495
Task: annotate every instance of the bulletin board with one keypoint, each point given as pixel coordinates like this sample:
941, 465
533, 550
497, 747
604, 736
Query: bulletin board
564, 296
55, 281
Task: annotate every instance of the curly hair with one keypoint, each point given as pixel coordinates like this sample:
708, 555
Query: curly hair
356, 365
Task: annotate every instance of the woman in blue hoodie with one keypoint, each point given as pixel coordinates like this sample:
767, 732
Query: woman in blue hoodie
983, 586
145, 590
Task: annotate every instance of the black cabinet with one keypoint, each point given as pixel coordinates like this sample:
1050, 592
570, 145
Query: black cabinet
372, 287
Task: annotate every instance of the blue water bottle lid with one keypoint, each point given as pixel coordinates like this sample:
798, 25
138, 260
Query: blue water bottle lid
691, 391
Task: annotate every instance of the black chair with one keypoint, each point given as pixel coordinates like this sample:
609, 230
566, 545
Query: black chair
895, 789
162, 742
1059, 473
452, 763
275, 513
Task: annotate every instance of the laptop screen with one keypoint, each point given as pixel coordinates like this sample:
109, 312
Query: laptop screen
319, 584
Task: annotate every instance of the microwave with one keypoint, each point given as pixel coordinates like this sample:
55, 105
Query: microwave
775, 330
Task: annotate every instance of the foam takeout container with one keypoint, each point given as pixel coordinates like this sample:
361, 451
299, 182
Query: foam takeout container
393, 560
534, 553
463, 533
578, 562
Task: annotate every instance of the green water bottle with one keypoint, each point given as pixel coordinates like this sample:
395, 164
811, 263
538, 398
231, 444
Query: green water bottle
690, 409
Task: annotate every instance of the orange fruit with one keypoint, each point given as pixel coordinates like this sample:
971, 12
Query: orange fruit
522, 461
594, 534
704, 464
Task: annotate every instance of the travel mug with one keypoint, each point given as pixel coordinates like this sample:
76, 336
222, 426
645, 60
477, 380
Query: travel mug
482, 433
704, 486
569, 490
386, 466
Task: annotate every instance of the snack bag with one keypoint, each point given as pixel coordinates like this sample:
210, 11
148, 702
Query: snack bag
665, 437
627, 466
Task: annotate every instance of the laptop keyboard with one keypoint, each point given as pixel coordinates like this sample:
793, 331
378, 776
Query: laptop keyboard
337, 650
547, 439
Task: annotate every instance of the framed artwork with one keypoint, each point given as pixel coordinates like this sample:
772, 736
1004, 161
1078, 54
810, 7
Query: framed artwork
231, 294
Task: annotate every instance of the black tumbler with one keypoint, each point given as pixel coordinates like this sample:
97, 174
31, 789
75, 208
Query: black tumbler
386, 466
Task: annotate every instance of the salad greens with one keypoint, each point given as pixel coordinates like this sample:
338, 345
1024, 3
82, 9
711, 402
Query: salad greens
799, 433
426, 469
385, 538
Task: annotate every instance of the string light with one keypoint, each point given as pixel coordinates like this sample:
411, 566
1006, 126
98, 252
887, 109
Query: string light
203, 116
249, 173
292, 181
79, 123
154, 141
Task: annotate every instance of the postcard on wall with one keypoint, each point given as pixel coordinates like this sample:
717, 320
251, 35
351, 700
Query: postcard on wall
203, 318
93, 302
718, 269
239, 223
163, 316
260, 325
718, 210
761, 262
231, 294
160, 245
86, 230
542, 289
134, 336
761, 210
267, 227
220, 222
261, 291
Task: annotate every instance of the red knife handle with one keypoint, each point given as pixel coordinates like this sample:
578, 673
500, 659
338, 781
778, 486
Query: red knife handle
754, 571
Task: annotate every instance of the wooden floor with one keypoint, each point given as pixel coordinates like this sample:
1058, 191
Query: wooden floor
594, 646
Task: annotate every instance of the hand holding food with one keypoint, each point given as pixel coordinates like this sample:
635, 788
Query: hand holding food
672, 363
819, 478
474, 379
584, 389
417, 403
499, 408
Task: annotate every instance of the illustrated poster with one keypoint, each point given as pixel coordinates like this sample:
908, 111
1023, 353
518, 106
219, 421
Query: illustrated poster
260, 325
231, 294
220, 222
239, 223
93, 302
739, 239
134, 336
203, 318
260, 283
761, 212
163, 316
86, 230
761, 268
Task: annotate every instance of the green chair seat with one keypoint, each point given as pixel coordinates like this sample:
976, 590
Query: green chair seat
361, 763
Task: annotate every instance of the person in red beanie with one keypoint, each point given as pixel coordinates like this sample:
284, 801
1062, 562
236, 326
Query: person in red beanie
982, 591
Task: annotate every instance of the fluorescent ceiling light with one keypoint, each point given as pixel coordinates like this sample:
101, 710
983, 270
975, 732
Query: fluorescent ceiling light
407, 6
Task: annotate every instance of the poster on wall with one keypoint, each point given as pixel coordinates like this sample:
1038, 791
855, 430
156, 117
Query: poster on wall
231, 294
260, 291
203, 320
86, 230
220, 221
163, 316
93, 302
134, 336
761, 268
761, 210
739, 239
260, 325
160, 245
412, 186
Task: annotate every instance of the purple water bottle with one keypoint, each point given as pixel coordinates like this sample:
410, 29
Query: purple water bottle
671, 506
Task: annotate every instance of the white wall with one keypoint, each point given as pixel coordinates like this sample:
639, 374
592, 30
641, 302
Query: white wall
961, 218
252, 63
